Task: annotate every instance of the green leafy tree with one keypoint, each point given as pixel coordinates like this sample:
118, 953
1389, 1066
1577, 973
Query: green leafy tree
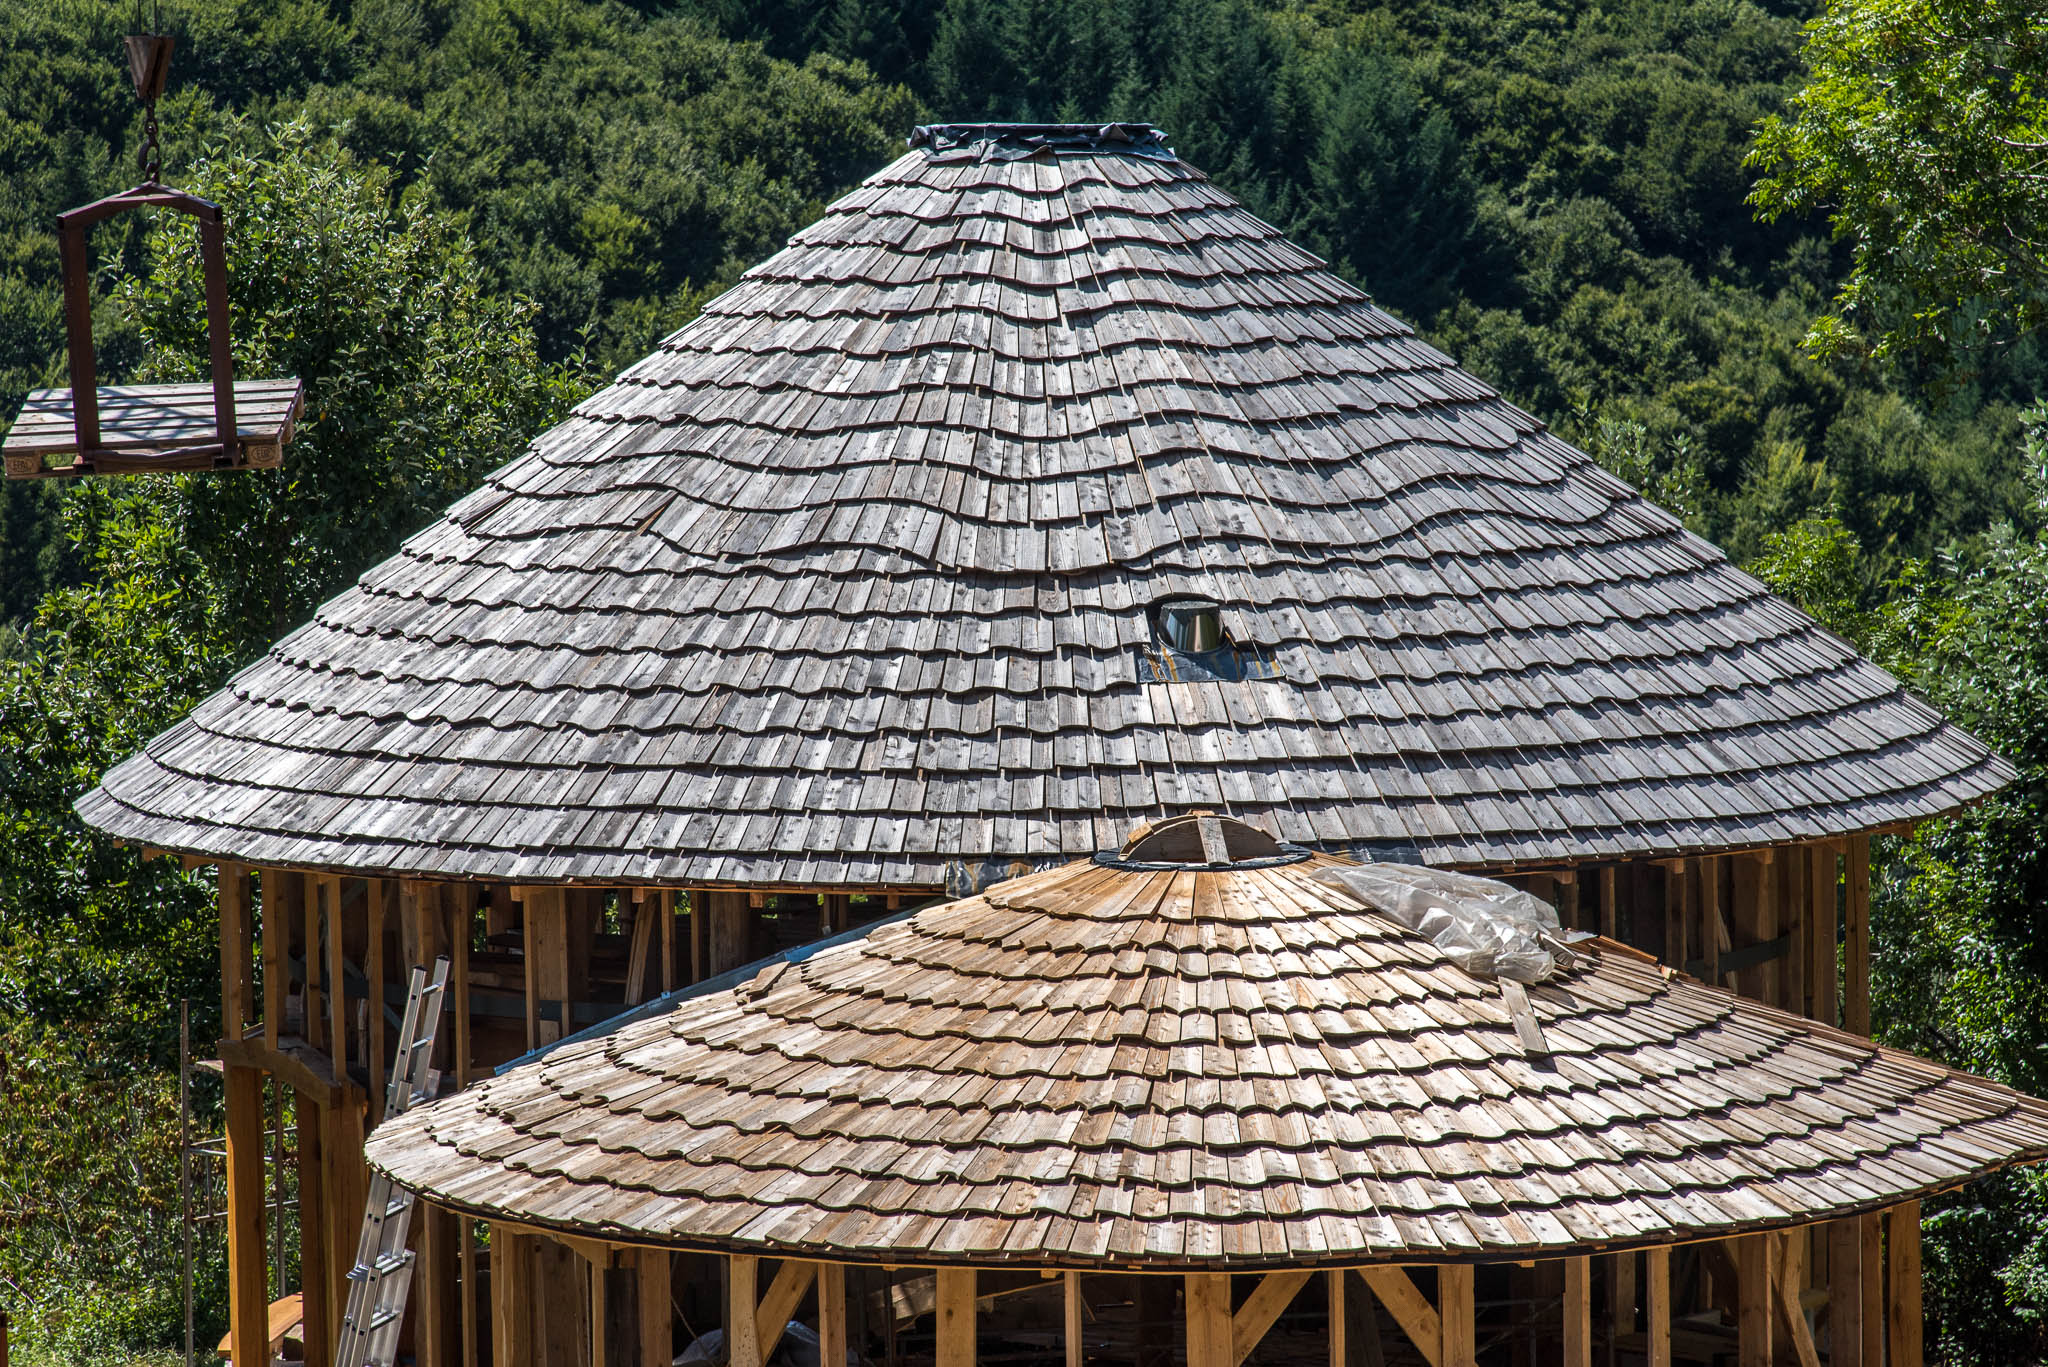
419, 380
1923, 132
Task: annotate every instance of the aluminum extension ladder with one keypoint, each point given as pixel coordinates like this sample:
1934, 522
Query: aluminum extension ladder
382, 1276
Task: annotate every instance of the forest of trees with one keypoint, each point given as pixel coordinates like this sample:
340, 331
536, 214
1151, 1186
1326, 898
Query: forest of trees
1674, 229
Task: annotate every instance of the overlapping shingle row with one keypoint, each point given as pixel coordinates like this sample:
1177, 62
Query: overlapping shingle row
848, 583
1198, 1065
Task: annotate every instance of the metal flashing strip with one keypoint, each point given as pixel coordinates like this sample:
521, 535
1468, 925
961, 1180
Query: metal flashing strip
718, 982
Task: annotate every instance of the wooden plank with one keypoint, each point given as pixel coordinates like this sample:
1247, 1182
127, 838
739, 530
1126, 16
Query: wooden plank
313, 1243
792, 1279
1856, 939
1208, 1319
248, 1270
954, 1327
742, 1329
699, 914
1609, 900
1657, 1305
604, 1333
1902, 1277
1791, 1281
1458, 1315
1845, 1292
1578, 1312
1752, 1254
1411, 1310
832, 1335
512, 1298
237, 950
1070, 1305
1268, 1300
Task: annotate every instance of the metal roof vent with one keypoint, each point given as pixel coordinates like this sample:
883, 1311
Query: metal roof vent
1192, 626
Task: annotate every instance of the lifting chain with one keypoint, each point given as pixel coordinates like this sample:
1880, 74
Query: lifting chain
149, 157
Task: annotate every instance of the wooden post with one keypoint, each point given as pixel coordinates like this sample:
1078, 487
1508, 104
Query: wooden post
469, 1310
1902, 1273
380, 890
1870, 1237
248, 1272
1568, 899
1845, 1293
666, 908
1610, 896
511, 1299
314, 1016
1070, 1304
337, 977
1793, 916
1675, 918
1657, 1304
283, 895
237, 952
953, 1334
1621, 1298
699, 914
730, 930
1823, 919
831, 1317
1753, 1282
313, 1276
1457, 1315
1578, 1312
1340, 1327
742, 1297
345, 1184
1208, 1311
547, 964
437, 1335
1713, 929
562, 1293
1856, 940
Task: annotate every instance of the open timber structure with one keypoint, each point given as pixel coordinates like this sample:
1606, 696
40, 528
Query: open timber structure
1035, 491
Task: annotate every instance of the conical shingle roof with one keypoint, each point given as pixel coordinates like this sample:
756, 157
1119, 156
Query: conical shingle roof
1194, 1065
856, 580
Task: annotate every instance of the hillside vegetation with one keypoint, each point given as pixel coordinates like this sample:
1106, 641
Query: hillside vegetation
452, 217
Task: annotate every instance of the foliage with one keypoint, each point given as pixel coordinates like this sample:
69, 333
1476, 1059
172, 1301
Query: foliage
420, 378
1923, 131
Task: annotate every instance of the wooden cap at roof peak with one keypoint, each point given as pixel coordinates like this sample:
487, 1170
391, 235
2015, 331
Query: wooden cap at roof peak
1198, 1066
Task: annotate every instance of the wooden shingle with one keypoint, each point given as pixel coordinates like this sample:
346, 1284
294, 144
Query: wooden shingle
889, 515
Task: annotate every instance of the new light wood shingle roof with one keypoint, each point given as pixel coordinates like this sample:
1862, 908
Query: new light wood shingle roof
1189, 1065
849, 583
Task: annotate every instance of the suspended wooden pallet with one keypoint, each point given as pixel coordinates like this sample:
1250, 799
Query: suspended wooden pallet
90, 429
153, 427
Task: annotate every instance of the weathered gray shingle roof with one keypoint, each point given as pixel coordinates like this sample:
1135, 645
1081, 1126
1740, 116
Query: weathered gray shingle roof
848, 583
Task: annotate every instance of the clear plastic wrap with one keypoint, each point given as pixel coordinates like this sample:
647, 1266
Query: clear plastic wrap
1484, 927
